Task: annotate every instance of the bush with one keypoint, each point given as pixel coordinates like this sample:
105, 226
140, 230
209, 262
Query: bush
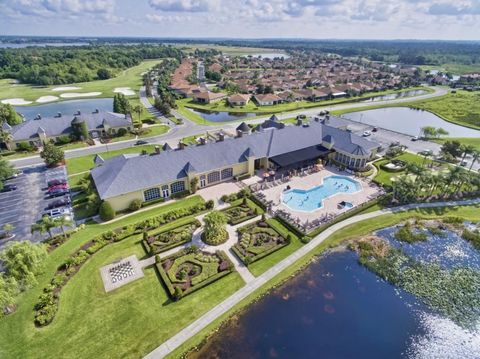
121, 132
209, 204
63, 140
106, 211
52, 155
25, 147
179, 195
135, 205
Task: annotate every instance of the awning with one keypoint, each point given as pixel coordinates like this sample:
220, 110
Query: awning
303, 155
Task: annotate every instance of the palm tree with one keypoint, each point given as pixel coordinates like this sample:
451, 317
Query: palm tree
62, 222
138, 110
46, 224
466, 150
476, 156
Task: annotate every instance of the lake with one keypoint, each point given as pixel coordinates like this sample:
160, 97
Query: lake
270, 56
66, 107
408, 121
5, 45
336, 308
394, 96
214, 116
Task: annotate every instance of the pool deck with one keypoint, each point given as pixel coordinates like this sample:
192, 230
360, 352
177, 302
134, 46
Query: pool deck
330, 205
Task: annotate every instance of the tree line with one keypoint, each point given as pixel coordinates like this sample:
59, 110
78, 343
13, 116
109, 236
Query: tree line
69, 64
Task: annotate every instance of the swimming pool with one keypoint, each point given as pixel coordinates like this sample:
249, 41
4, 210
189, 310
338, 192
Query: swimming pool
312, 199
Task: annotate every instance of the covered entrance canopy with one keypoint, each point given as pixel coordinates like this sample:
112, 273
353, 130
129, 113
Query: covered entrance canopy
300, 157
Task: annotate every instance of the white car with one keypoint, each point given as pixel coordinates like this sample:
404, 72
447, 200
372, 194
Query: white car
366, 133
59, 212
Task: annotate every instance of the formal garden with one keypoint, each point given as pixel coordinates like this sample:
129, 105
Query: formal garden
191, 269
162, 239
258, 240
241, 210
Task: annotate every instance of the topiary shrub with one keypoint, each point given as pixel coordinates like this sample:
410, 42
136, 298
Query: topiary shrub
121, 132
135, 205
209, 204
106, 211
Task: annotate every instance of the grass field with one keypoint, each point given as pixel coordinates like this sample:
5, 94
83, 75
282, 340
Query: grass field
127, 78
129, 321
362, 228
85, 163
229, 50
475, 142
456, 69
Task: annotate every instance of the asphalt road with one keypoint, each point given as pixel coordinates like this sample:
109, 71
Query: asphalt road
190, 128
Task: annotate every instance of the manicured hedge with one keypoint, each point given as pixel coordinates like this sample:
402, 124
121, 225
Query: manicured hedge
290, 227
257, 202
149, 248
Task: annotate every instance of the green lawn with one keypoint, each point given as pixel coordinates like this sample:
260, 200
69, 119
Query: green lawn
475, 142
468, 212
81, 164
127, 78
457, 69
155, 130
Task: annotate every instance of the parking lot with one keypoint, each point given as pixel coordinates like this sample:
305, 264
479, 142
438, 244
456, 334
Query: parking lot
26, 205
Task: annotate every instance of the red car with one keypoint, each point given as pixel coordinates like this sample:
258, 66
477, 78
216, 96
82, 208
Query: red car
56, 182
58, 186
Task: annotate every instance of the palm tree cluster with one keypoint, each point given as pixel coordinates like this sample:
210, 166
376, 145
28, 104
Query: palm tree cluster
426, 185
46, 224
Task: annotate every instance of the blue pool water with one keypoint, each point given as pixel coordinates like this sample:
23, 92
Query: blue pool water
312, 199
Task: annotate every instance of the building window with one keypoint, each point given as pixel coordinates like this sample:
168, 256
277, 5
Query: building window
177, 187
213, 177
151, 194
227, 173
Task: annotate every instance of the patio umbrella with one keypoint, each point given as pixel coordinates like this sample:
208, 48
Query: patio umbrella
265, 175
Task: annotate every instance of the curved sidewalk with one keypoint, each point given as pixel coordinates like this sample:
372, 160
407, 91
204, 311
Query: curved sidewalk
191, 330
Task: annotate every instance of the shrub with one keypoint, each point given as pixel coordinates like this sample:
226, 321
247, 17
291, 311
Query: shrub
179, 195
209, 204
305, 239
135, 205
106, 211
62, 140
25, 146
52, 155
177, 294
121, 132
224, 198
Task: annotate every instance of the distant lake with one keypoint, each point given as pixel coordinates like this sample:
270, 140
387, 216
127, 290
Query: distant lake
394, 96
214, 116
66, 107
270, 56
409, 121
5, 45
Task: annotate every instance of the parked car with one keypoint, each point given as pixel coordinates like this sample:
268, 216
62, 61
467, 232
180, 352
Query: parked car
375, 129
58, 212
8, 188
56, 182
414, 138
58, 193
58, 186
366, 133
463, 163
141, 142
59, 203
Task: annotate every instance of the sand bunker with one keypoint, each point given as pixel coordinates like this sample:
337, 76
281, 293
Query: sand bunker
16, 101
65, 88
77, 94
44, 99
127, 91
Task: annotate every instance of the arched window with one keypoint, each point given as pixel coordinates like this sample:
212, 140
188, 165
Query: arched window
178, 186
213, 177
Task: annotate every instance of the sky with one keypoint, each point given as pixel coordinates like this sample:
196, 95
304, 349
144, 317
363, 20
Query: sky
316, 19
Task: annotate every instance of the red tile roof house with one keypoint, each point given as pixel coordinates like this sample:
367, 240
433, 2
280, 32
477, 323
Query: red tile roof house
238, 100
208, 97
267, 99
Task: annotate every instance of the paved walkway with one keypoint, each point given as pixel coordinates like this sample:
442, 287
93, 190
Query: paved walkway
191, 330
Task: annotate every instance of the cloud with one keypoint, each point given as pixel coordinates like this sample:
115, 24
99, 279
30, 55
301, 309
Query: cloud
185, 5
455, 9
167, 18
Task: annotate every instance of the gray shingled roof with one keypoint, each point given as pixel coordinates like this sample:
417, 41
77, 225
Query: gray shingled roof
124, 174
56, 126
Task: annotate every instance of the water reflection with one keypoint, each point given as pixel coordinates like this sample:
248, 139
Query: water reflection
394, 96
214, 116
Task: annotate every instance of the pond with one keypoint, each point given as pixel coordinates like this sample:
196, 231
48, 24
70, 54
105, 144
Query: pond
214, 116
336, 308
66, 107
394, 96
270, 56
409, 121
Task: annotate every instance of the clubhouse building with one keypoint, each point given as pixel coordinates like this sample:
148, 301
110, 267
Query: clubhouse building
50, 129
122, 179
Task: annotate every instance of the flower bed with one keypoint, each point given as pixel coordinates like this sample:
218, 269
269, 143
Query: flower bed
191, 269
241, 212
258, 240
161, 240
